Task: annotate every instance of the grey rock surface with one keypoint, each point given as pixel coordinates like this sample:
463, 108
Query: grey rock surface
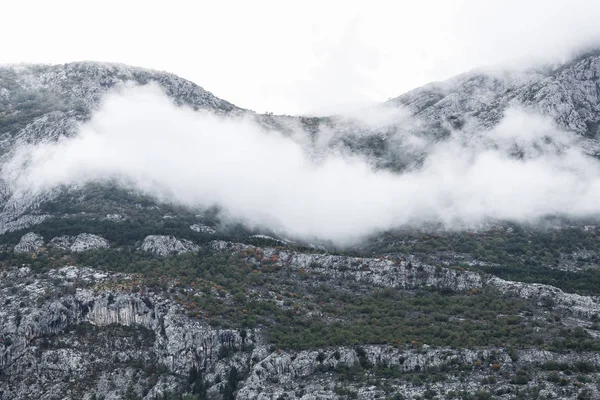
76, 332
79, 243
162, 245
29, 243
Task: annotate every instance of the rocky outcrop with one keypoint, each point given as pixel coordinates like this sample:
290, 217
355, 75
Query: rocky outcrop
223, 245
202, 229
29, 243
386, 272
311, 374
115, 217
60, 322
10, 222
79, 243
580, 306
62, 242
162, 245
397, 272
87, 241
409, 272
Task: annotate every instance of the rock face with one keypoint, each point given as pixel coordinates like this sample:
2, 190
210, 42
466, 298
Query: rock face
29, 243
79, 243
167, 245
99, 335
202, 229
412, 273
79, 333
301, 374
21, 222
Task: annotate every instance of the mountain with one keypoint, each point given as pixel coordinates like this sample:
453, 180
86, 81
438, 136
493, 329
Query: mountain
568, 93
43, 103
107, 292
52, 98
475, 103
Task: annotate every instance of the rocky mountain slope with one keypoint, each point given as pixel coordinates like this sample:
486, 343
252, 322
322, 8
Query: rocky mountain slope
106, 293
568, 93
83, 332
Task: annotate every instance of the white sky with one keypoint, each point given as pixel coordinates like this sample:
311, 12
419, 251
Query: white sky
303, 56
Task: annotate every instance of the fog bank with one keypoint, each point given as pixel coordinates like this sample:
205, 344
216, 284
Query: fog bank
139, 137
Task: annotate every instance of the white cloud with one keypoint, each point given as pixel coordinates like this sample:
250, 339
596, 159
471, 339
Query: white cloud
141, 138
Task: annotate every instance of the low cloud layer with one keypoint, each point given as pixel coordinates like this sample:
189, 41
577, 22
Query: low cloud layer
141, 139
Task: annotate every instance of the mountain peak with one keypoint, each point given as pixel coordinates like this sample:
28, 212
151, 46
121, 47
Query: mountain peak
569, 93
85, 82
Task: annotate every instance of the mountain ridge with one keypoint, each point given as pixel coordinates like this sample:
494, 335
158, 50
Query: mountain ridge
41, 102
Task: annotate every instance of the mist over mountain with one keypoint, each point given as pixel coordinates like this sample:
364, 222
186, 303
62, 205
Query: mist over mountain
481, 147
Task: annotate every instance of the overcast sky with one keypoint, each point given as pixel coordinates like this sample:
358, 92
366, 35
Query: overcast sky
304, 56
